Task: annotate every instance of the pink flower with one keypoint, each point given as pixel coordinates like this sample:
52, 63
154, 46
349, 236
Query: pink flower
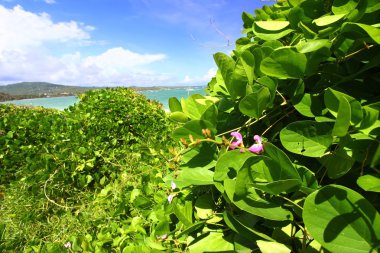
173, 185
67, 245
258, 147
238, 142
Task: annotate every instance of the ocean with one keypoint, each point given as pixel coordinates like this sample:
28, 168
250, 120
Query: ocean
61, 103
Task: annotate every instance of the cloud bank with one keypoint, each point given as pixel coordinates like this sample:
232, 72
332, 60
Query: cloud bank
26, 54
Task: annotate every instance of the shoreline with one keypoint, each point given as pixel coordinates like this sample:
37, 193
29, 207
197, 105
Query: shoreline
9, 97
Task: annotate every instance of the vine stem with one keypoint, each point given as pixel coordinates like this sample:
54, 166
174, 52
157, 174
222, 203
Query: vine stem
286, 115
291, 201
49, 199
246, 124
358, 51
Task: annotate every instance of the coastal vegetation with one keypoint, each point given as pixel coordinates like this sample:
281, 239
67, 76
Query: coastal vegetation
38, 90
281, 155
86, 173
26, 90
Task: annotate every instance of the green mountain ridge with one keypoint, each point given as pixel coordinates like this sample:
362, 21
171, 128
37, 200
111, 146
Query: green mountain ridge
42, 89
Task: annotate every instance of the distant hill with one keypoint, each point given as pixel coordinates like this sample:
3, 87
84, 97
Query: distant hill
41, 89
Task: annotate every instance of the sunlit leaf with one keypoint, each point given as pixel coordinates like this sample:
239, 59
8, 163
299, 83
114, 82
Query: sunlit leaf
213, 242
255, 103
307, 138
369, 182
328, 20
366, 32
284, 63
175, 105
272, 25
343, 118
346, 221
269, 247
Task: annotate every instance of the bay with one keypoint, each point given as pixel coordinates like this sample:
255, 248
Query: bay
161, 95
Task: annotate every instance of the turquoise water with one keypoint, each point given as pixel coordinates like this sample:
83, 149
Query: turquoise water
59, 103
64, 102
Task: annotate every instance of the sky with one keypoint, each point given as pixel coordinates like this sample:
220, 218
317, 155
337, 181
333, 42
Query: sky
117, 42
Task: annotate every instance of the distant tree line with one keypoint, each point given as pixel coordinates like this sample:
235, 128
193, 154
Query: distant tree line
7, 97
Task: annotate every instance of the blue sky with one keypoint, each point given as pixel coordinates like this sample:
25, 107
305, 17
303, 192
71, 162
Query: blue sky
117, 42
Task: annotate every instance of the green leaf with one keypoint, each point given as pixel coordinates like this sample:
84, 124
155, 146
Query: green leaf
309, 105
338, 163
174, 105
179, 117
272, 44
153, 244
260, 53
82, 150
202, 156
370, 116
270, 83
343, 118
284, 168
270, 247
344, 6
242, 229
268, 34
229, 164
309, 181
191, 228
373, 5
333, 100
284, 63
342, 220
184, 213
369, 182
312, 45
233, 74
366, 32
204, 206
309, 34
197, 176
196, 105
213, 242
273, 173
193, 128
307, 138
255, 103
226, 67
248, 61
210, 114
253, 203
328, 20
272, 25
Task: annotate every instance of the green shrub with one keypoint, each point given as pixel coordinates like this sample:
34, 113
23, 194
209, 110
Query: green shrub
82, 175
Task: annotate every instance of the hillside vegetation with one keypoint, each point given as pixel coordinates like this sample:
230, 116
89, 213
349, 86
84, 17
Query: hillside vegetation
41, 89
85, 175
26, 90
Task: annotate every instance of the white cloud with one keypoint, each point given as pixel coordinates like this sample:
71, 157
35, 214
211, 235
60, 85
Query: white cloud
200, 80
20, 29
50, 1
120, 58
24, 54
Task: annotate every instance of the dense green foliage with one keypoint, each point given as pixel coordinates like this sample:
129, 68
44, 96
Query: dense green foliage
300, 172
305, 79
84, 175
